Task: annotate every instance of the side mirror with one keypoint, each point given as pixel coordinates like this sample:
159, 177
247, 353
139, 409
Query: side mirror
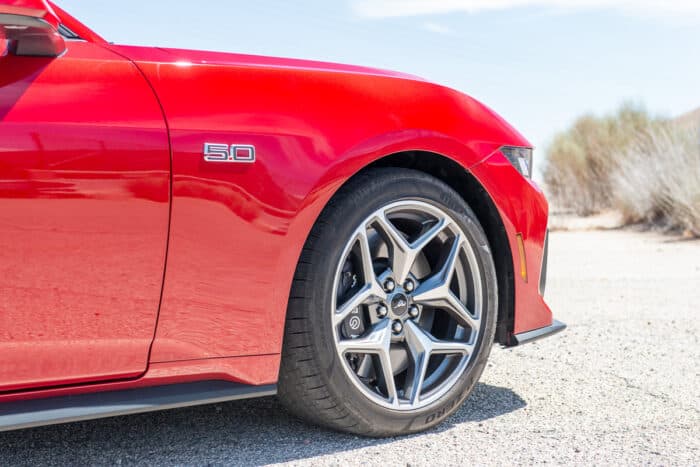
30, 28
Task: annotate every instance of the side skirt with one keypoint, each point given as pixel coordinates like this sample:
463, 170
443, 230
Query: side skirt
31, 413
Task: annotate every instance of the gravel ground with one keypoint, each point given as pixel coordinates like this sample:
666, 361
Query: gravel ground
620, 386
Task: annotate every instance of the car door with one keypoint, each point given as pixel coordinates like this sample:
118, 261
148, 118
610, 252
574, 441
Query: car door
84, 213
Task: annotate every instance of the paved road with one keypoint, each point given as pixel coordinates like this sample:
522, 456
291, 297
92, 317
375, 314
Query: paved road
621, 386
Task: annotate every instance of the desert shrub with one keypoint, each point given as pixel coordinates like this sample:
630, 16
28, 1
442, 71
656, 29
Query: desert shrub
658, 178
580, 161
646, 168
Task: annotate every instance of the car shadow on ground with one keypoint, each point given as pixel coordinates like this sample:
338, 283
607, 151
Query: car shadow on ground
252, 432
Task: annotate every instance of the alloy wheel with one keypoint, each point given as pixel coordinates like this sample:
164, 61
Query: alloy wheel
408, 304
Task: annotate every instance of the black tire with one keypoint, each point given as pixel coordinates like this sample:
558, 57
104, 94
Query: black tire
312, 384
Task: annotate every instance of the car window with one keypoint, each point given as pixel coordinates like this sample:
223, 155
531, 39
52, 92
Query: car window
67, 33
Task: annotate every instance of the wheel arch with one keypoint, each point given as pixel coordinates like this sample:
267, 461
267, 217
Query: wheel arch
478, 199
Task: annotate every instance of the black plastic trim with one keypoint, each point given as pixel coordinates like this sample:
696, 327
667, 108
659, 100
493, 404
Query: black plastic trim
537, 334
38, 412
67, 33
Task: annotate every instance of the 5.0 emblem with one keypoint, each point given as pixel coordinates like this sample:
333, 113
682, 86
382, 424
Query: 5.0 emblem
235, 153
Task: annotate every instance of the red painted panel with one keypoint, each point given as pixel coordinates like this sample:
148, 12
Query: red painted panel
524, 210
237, 229
84, 193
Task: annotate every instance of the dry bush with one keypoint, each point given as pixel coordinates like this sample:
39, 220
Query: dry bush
581, 160
657, 179
646, 168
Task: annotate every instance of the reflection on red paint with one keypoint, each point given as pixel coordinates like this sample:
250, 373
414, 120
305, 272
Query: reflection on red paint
84, 193
87, 170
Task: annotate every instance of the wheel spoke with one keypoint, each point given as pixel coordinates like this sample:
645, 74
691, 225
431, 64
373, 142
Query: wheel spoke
366, 256
443, 277
362, 296
388, 377
430, 235
376, 342
371, 291
435, 291
400, 249
419, 348
441, 347
459, 310
404, 254
422, 346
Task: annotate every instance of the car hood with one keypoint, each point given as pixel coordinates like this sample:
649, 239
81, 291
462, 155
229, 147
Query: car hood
401, 102
221, 58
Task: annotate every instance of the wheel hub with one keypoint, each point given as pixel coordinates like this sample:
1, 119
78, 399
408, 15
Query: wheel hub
399, 305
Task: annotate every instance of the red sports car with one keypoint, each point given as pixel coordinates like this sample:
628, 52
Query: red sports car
181, 228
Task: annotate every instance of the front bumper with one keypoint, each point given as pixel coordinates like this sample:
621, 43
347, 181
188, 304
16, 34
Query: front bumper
524, 212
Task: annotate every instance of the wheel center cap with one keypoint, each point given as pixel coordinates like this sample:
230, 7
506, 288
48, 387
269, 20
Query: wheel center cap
399, 304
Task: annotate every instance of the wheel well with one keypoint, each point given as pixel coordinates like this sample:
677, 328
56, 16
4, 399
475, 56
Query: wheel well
480, 202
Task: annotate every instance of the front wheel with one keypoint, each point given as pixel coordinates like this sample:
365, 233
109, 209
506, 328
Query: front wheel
393, 308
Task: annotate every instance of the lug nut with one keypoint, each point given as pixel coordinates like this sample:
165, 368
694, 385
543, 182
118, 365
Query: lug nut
413, 311
382, 311
397, 327
408, 286
389, 285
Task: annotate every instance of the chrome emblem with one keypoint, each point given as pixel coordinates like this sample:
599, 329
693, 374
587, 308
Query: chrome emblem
234, 153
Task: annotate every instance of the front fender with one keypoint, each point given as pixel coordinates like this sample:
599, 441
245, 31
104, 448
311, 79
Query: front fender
237, 229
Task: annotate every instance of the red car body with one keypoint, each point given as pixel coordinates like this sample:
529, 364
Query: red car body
127, 261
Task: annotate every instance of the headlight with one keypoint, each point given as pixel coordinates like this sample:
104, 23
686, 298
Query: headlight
521, 158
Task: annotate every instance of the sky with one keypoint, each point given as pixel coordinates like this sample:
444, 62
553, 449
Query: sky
538, 63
